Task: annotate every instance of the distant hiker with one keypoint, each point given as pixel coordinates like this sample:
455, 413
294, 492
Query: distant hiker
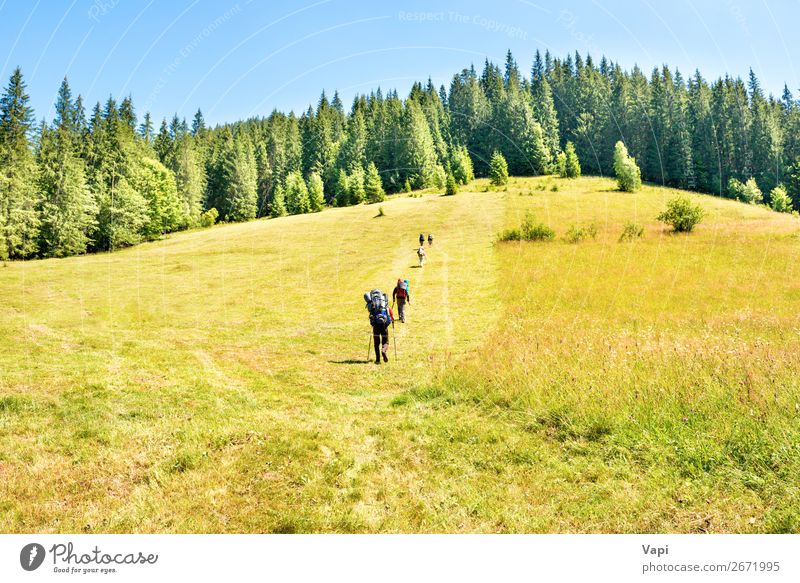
430, 239
421, 255
402, 295
421, 239
380, 316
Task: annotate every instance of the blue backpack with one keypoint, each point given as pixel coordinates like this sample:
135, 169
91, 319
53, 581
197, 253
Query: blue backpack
378, 306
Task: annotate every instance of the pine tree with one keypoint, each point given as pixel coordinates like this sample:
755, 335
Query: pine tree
316, 192
572, 167
296, 194
19, 221
146, 128
198, 123
498, 169
451, 187
561, 165
190, 180
341, 189
461, 165
278, 204
355, 185
242, 194
66, 207
373, 187
418, 153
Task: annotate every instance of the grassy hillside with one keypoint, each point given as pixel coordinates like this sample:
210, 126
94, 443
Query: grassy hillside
217, 381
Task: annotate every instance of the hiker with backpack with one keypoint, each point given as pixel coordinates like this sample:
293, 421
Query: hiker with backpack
430, 239
403, 296
380, 317
421, 239
421, 255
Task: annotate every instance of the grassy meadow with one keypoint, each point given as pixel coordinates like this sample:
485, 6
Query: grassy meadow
217, 381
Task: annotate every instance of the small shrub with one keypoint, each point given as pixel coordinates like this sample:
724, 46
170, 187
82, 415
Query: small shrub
209, 217
576, 235
629, 177
511, 235
681, 214
779, 200
748, 192
380, 212
554, 188
407, 186
631, 231
532, 231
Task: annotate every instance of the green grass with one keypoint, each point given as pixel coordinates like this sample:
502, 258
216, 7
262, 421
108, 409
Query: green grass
216, 381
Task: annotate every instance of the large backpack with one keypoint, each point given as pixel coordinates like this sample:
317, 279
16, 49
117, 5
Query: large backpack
378, 306
402, 289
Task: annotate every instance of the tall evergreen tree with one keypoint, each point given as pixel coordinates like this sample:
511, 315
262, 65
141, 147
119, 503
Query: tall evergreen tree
19, 220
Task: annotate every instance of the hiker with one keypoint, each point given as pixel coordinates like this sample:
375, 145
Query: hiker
402, 295
421, 255
380, 316
430, 239
421, 239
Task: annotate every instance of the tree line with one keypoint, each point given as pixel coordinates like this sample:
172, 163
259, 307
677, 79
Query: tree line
105, 179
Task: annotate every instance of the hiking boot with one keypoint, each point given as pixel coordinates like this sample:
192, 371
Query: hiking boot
385, 358
378, 361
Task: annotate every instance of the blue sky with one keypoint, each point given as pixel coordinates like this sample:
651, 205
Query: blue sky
245, 58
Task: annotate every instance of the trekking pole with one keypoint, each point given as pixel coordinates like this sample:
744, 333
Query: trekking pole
369, 347
395, 340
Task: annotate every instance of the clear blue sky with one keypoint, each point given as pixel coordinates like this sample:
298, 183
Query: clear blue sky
239, 59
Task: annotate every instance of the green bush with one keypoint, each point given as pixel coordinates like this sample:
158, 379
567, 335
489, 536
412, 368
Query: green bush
748, 192
530, 230
498, 169
779, 200
631, 231
209, 217
511, 235
629, 177
681, 214
578, 234
381, 213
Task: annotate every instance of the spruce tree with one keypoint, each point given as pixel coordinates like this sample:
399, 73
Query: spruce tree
242, 194
418, 153
66, 207
278, 203
341, 189
19, 220
296, 194
373, 187
498, 169
572, 167
316, 192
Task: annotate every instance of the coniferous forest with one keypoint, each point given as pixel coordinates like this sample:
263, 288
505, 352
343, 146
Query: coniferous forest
105, 178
